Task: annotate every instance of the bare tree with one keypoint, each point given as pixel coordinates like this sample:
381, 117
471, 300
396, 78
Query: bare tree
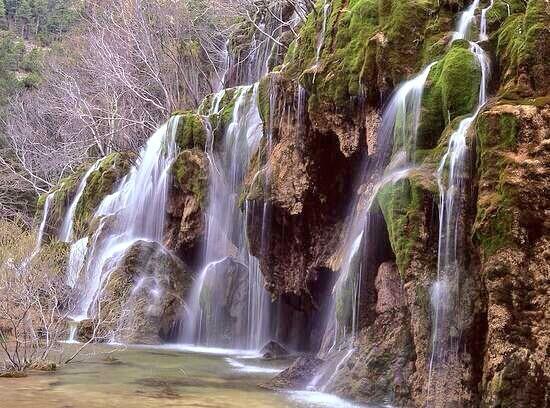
123, 70
34, 302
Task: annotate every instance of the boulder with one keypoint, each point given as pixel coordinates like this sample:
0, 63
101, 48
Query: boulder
273, 350
143, 296
297, 376
224, 302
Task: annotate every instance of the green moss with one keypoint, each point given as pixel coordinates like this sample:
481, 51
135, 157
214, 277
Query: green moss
101, 182
264, 103
402, 204
495, 219
189, 175
191, 132
523, 47
63, 195
339, 74
452, 90
254, 187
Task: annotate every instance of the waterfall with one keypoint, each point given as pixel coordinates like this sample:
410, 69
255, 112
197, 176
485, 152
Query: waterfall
465, 22
399, 130
227, 305
76, 260
451, 180
135, 211
321, 35
483, 23
66, 231
43, 223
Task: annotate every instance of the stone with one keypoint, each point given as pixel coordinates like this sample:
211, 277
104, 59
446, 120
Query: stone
297, 376
273, 350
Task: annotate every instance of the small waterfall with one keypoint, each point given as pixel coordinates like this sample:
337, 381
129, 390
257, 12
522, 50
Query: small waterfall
66, 231
42, 227
483, 23
465, 22
134, 211
322, 34
77, 257
228, 298
398, 129
451, 180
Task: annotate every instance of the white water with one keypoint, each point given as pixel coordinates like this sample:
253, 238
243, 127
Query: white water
465, 22
451, 178
226, 249
247, 368
66, 230
322, 34
76, 260
135, 211
399, 129
43, 223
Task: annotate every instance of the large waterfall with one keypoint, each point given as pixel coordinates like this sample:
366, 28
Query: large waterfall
135, 211
400, 122
228, 304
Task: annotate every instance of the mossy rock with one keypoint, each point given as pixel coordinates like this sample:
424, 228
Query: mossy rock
494, 224
101, 182
189, 172
62, 197
402, 204
191, 132
523, 50
452, 90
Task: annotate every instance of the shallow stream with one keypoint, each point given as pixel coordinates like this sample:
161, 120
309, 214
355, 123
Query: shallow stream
105, 377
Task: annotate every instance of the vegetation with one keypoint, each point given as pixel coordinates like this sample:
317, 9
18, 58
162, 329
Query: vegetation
34, 302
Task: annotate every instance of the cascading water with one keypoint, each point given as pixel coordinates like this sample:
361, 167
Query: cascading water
227, 305
398, 129
66, 230
77, 257
321, 35
135, 211
43, 223
451, 180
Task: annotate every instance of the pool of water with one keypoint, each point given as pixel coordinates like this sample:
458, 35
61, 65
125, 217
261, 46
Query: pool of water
171, 376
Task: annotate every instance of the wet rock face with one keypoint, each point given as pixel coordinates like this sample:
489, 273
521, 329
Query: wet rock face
512, 233
224, 302
143, 297
186, 205
297, 376
390, 294
273, 350
310, 173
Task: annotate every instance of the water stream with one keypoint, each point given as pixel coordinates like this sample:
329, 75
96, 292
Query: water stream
228, 305
398, 131
452, 179
66, 230
43, 224
134, 211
